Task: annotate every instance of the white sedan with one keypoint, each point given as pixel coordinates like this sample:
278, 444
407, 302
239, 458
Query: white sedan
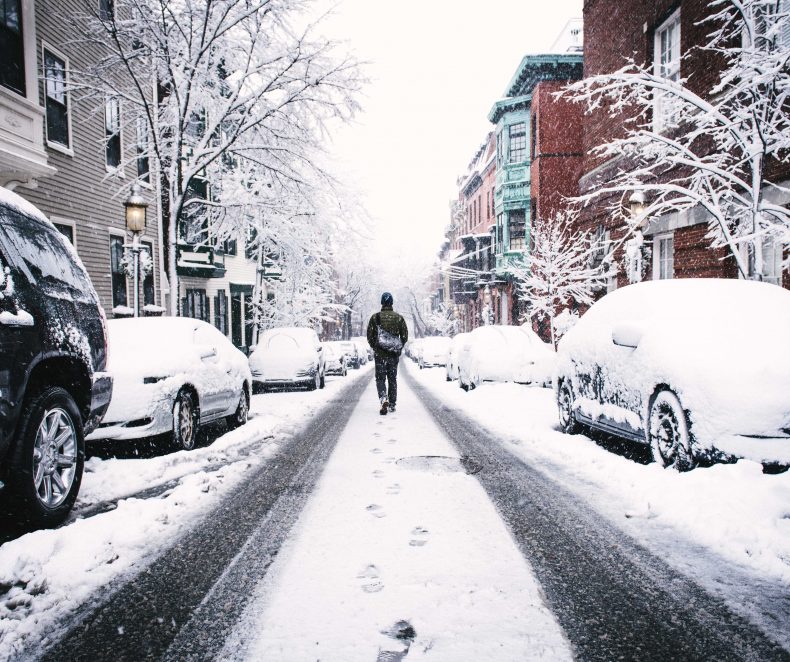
504, 354
434, 351
456, 345
696, 368
171, 375
288, 356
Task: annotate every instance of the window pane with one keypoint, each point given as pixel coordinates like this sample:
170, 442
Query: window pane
143, 165
112, 130
12, 61
118, 274
148, 282
56, 101
518, 142
67, 231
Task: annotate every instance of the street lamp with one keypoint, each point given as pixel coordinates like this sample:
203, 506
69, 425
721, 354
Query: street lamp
487, 305
135, 222
636, 203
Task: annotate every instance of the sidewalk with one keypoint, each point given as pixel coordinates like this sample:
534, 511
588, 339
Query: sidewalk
397, 555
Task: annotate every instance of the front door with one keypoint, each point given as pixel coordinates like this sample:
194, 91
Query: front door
236, 318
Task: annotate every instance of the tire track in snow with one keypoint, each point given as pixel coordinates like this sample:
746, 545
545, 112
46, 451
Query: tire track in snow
185, 603
613, 598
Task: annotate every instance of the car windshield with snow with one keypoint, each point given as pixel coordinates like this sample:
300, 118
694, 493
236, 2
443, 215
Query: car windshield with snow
288, 356
53, 351
504, 354
171, 376
676, 364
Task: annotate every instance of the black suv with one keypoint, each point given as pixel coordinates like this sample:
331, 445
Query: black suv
53, 353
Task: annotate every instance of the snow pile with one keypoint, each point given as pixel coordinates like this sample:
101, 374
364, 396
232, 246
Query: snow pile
434, 350
735, 512
721, 345
46, 575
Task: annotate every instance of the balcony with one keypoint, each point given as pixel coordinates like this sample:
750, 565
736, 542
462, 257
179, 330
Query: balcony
199, 261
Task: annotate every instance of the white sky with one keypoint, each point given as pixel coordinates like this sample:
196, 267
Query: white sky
436, 68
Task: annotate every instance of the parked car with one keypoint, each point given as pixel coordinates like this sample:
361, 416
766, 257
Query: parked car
456, 344
364, 346
172, 375
415, 349
351, 351
695, 368
362, 350
434, 351
504, 354
334, 360
288, 356
53, 353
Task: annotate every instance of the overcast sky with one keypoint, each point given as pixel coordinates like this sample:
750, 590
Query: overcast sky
436, 68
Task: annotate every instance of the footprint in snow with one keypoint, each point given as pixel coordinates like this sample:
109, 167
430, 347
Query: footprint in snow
390, 459
391, 441
393, 489
370, 580
375, 451
376, 510
378, 473
420, 536
377, 434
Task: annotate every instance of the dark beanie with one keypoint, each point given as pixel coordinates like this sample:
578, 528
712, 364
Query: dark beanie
386, 299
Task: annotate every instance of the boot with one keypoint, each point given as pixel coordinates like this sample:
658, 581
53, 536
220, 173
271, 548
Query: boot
384, 405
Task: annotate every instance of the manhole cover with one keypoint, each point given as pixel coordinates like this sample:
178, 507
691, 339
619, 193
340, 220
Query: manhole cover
440, 464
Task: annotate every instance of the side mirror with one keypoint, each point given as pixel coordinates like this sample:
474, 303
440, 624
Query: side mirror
627, 334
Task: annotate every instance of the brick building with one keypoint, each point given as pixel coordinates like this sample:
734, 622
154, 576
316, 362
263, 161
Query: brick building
656, 34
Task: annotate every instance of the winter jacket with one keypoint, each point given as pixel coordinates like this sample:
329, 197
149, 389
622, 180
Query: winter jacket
391, 322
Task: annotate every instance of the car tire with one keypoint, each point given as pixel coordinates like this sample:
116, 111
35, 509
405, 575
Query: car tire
242, 413
186, 420
568, 422
323, 380
37, 454
669, 432
461, 383
314, 383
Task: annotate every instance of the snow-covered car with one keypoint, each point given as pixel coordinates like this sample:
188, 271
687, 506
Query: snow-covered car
351, 351
434, 351
334, 360
695, 368
456, 344
504, 354
172, 375
362, 343
53, 353
415, 349
362, 350
288, 356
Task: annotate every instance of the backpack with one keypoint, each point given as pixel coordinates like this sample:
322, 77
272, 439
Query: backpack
385, 340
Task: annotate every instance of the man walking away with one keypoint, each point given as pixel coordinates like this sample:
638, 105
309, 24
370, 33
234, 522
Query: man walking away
387, 334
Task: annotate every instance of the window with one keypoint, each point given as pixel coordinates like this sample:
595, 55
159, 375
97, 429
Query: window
534, 138
117, 273
500, 156
517, 234
771, 32
772, 261
149, 295
143, 163
221, 312
12, 52
518, 142
666, 63
66, 230
195, 305
106, 10
56, 99
112, 132
663, 257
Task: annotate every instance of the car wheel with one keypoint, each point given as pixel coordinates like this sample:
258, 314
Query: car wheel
668, 432
185, 421
568, 423
461, 383
48, 458
323, 381
242, 413
314, 383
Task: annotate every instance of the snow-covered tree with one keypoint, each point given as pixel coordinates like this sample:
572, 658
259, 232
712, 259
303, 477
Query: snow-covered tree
235, 81
561, 272
707, 149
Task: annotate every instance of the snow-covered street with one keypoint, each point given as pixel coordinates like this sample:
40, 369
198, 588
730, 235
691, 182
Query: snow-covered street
462, 526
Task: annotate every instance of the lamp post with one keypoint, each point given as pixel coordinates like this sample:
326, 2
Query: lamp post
135, 222
635, 247
487, 305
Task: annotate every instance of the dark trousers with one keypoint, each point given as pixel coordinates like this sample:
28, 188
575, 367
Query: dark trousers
387, 376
